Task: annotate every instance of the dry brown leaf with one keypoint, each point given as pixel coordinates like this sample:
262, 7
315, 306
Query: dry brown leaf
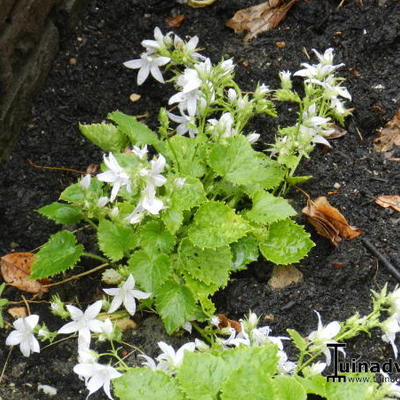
389, 136
18, 312
388, 201
328, 221
175, 22
260, 18
16, 267
224, 322
336, 132
126, 324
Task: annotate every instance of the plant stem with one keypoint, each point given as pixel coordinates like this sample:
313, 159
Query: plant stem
96, 257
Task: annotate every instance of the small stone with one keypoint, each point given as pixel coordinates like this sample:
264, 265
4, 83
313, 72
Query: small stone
134, 97
280, 45
72, 61
14, 245
283, 276
337, 185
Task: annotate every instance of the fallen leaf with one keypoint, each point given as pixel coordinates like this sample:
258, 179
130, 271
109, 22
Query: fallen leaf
16, 268
18, 312
260, 18
126, 324
328, 221
389, 136
284, 276
225, 322
175, 22
388, 201
280, 45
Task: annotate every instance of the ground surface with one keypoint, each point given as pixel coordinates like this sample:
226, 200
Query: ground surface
365, 37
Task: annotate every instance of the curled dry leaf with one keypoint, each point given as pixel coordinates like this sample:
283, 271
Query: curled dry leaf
225, 322
18, 312
389, 136
336, 132
328, 221
175, 22
388, 201
16, 268
260, 18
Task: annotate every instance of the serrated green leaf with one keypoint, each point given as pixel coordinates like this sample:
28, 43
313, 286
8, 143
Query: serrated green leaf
73, 194
287, 95
137, 132
199, 288
248, 384
216, 224
172, 219
183, 154
287, 388
60, 213
268, 208
150, 269
315, 384
244, 251
297, 339
175, 304
358, 386
154, 238
285, 242
59, 254
115, 239
237, 162
202, 375
211, 266
107, 136
145, 384
295, 180
185, 197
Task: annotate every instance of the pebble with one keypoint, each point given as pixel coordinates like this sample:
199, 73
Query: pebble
134, 97
337, 185
72, 61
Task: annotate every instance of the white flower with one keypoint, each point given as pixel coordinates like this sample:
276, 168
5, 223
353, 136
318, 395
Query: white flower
390, 328
47, 389
102, 201
187, 326
85, 181
262, 90
149, 202
285, 367
152, 46
316, 368
149, 362
227, 66
324, 335
105, 330
253, 137
186, 123
96, 376
148, 64
153, 175
115, 175
286, 81
136, 215
232, 95
200, 345
83, 323
126, 294
23, 335
215, 321
189, 48
180, 182
141, 153
326, 58
169, 360
224, 126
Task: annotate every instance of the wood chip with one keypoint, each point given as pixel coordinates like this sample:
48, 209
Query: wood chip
389, 136
134, 97
388, 201
18, 312
175, 22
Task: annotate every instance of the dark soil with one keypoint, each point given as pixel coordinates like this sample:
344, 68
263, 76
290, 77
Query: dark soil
366, 37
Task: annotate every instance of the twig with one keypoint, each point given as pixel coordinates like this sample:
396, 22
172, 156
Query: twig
75, 171
386, 263
74, 277
5, 364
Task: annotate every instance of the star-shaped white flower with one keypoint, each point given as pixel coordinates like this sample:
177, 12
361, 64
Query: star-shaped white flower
148, 64
23, 335
170, 359
186, 124
153, 175
115, 175
224, 126
160, 42
324, 335
126, 294
96, 375
83, 323
390, 328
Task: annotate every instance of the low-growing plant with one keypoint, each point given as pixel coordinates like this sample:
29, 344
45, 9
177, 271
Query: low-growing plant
183, 208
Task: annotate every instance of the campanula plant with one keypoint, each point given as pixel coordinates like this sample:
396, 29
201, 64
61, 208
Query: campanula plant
182, 208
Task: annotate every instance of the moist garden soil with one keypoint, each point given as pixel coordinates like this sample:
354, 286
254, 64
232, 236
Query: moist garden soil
88, 81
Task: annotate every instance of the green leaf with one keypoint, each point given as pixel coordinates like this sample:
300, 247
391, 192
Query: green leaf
107, 136
154, 238
268, 208
216, 224
358, 386
137, 132
315, 384
247, 382
175, 304
211, 266
150, 269
73, 194
287, 388
172, 219
199, 288
244, 251
190, 195
145, 384
115, 240
297, 339
295, 180
287, 95
182, 152
285, 242
237, 162
57, 255
202, 375
61, 213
